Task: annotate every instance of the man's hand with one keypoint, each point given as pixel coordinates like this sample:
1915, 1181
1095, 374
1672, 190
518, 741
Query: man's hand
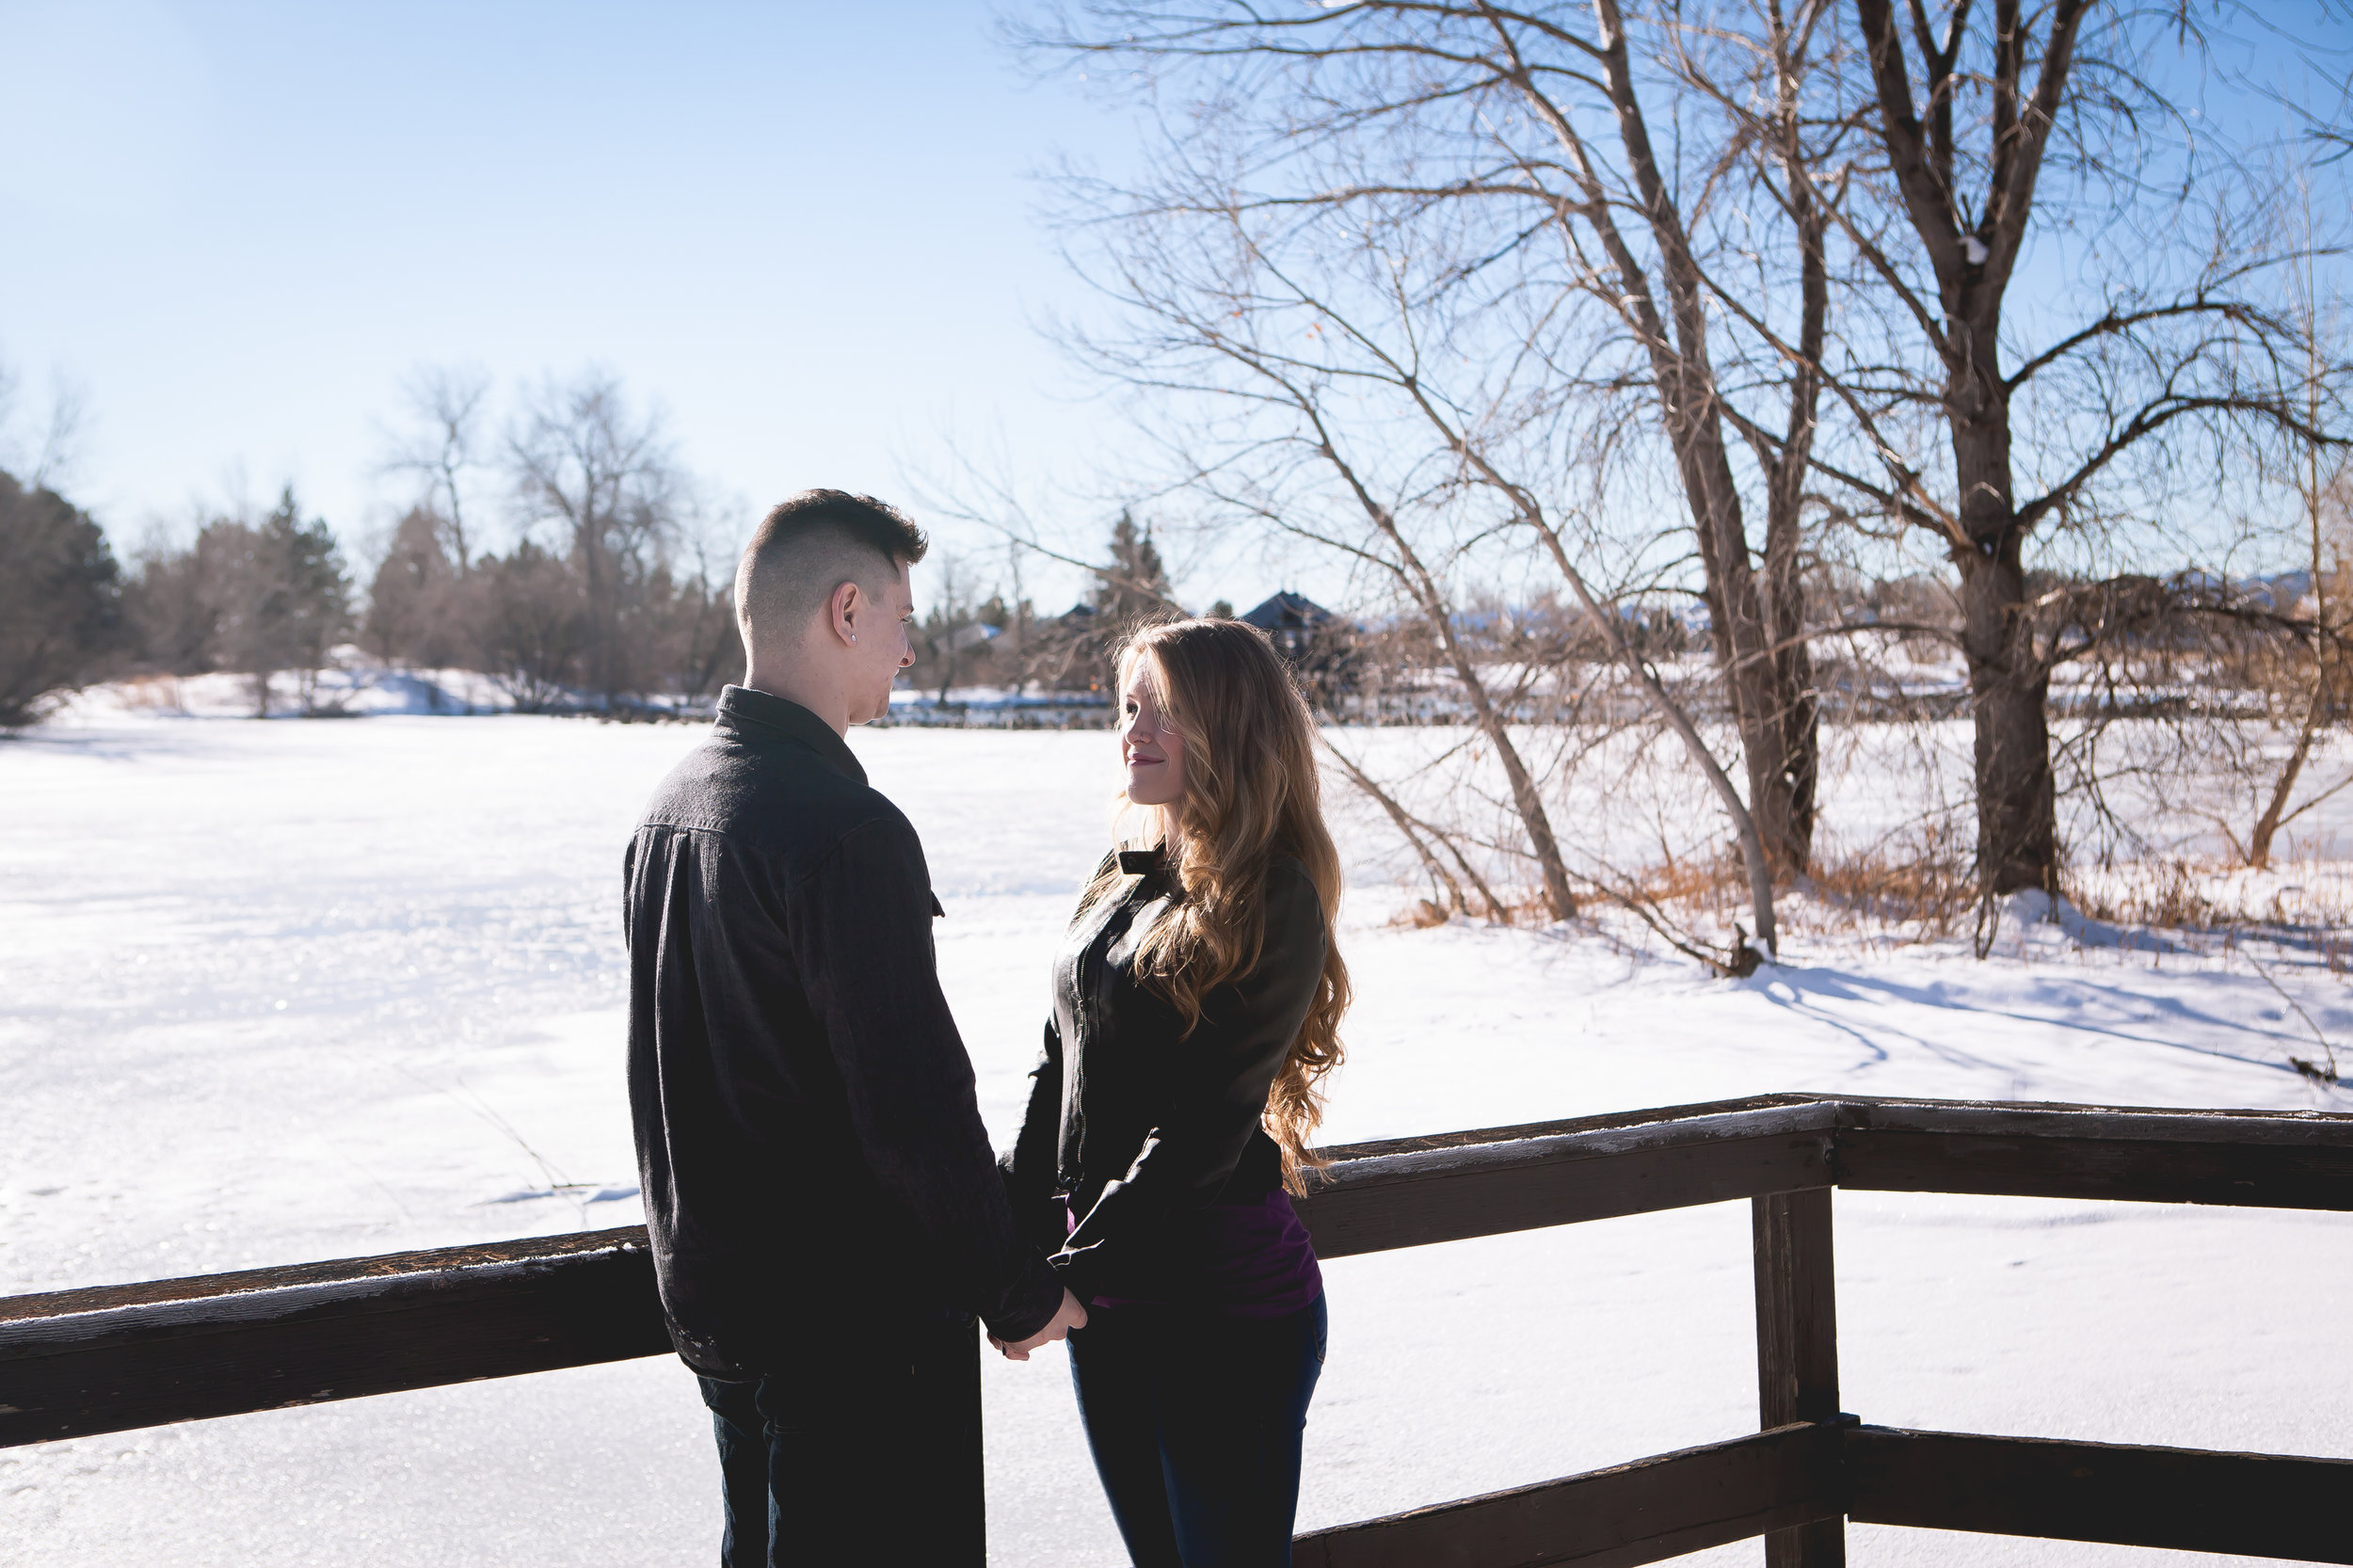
1072, 1314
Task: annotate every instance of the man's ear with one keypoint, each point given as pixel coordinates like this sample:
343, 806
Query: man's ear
844, 608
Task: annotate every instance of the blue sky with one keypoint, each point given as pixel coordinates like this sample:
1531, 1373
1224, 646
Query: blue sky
805, 229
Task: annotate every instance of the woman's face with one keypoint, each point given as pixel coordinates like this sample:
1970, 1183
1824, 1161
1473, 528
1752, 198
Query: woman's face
1154, 753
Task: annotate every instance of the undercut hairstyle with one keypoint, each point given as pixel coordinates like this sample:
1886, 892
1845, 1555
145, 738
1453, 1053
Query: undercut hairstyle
807, 547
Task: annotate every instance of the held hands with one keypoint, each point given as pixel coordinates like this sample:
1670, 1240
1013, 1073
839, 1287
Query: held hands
1072, 1314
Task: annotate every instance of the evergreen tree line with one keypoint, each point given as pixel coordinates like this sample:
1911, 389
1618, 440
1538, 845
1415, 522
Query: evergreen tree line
605, 600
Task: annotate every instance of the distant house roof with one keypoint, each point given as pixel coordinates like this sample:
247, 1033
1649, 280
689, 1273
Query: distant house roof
1077, 614
1289, 612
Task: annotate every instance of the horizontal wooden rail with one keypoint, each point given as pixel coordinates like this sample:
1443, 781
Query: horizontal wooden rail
2244, 1159
2254, 1504
1412, 1191
1416, 1190
1646, 1512
82, 1362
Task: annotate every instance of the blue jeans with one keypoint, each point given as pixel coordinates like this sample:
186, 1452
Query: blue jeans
1196, 1421
869, 1452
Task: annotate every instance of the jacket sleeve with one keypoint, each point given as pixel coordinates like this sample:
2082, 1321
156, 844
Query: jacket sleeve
860, 929
1030, 1166
1223, 1073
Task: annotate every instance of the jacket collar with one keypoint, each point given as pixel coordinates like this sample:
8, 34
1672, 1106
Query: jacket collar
1141, 862
746, 708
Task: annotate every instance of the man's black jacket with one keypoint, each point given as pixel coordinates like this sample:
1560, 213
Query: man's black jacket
809, 1146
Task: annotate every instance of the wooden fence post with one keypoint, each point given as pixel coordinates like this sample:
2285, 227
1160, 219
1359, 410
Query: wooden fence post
1797, 1346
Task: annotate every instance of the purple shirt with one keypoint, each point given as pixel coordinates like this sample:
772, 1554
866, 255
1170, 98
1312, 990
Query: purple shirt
1248, 1260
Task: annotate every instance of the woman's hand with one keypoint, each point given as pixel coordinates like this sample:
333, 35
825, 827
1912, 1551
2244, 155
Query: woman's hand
1071, 1314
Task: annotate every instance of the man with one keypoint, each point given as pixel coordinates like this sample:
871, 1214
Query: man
825, 1209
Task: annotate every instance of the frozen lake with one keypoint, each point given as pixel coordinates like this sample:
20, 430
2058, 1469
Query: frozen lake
273, 992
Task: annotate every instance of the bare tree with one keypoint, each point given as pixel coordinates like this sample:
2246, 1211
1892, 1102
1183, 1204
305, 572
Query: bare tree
2003, 122
169, 612
1502, 130
2317, 683
44, 456
1402, 428
2322, 484
699, 648
582, 457
531, 626
449, 404
951, 628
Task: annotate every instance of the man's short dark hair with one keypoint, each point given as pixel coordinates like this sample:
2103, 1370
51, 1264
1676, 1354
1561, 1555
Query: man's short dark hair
810, 544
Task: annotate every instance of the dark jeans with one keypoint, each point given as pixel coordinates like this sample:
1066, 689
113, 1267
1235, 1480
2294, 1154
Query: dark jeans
1196, 1421
866, 1454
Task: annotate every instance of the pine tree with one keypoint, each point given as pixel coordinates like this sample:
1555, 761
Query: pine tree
315, 608
59, 598
280, 596
1133, 588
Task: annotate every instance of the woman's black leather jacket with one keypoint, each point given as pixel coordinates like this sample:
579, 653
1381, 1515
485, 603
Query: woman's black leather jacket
1136, 1123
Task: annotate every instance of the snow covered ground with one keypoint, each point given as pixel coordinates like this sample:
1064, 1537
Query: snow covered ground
271, 992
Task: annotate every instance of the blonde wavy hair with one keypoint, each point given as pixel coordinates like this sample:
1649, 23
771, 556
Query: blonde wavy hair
1252, 793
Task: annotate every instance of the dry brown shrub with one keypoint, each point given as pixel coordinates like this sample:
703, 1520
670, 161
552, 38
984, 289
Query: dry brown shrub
2170, 894
1925, 889
1929, 888
1713, 883
1520, 906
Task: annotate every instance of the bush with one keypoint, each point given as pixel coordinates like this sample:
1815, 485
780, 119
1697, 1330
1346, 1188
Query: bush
60, 599
415, 614
531, 617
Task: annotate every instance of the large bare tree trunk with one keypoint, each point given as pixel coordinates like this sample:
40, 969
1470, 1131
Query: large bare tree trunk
1973, 254
1786, 469
2009, 683
2009, 689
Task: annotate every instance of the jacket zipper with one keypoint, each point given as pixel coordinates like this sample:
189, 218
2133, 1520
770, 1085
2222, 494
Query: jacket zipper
1090, 970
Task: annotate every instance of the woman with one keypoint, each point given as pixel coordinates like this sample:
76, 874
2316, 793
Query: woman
1197, 1000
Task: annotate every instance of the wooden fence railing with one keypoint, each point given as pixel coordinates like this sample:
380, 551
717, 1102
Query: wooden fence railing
81, 1362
